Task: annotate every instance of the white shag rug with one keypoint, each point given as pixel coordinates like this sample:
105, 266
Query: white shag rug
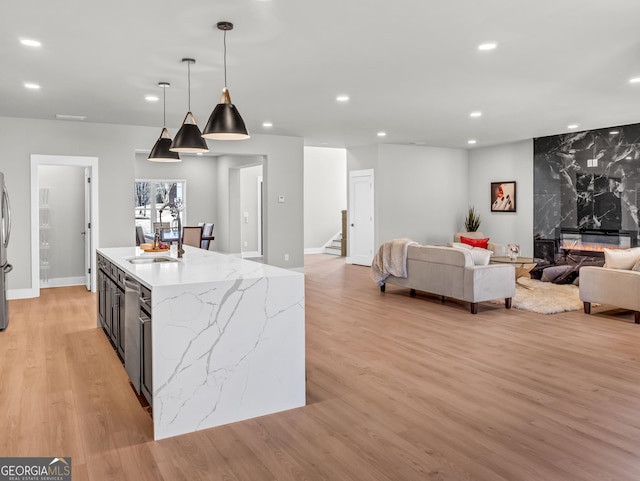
545, 297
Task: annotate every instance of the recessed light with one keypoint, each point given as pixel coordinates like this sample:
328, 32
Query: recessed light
614, 132
628, 157
634, 80
70, 117
342, 98
471, 141
31, 86
475, 115
382, 134
198, 153
152, 98
572, 126
29, 42
487, 46
267, 124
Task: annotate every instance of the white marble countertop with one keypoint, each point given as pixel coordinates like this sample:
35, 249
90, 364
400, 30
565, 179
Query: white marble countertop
195, 267
228, 338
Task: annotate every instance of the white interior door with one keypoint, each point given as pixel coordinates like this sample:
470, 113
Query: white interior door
361, 232
87, 228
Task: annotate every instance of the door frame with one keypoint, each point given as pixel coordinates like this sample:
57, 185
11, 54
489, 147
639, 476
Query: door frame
352, 174
36, 160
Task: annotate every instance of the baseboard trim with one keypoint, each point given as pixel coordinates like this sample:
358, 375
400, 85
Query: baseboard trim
22, 293
62, 282
314, 250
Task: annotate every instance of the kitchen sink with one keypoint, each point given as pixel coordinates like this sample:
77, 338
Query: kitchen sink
151, 260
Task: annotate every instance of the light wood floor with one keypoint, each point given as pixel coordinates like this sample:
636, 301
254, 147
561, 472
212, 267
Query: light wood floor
398, 389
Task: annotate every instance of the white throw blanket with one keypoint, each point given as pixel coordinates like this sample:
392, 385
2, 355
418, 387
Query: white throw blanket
390, 260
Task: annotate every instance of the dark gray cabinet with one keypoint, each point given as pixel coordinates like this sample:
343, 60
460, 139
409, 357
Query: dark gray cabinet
111, 303
102, 299
146, 368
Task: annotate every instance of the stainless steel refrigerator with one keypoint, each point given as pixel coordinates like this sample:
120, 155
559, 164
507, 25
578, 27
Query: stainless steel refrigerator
5, 267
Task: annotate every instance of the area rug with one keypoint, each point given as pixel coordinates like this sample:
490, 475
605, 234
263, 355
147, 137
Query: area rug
545, 297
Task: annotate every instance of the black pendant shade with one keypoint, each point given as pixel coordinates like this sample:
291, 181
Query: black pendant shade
189, 138
160, 151
225, 122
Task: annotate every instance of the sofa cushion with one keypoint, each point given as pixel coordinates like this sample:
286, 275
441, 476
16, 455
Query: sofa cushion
460, 245
550, 274
621, 258
475, 242
440, 255
481, 257
636, 267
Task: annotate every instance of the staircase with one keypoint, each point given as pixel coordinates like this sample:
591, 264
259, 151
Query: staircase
334, 246
337, 246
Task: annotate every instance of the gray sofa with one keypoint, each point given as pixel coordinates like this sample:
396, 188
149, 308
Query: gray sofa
450, 272
615, 287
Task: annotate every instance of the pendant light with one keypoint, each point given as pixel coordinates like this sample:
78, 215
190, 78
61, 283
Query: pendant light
160, 151
225, 122
189, 138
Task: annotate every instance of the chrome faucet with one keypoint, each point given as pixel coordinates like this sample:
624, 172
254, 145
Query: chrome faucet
180, 249
175, 210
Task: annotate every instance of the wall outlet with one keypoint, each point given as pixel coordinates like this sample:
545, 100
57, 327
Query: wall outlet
281, 198
286, 257
246, 244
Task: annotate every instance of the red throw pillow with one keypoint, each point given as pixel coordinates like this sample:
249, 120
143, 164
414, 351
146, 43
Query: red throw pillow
475, 242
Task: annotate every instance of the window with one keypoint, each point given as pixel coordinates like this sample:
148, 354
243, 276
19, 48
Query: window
152, 199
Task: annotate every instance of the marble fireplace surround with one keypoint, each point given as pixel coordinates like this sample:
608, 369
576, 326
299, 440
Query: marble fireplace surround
586, 183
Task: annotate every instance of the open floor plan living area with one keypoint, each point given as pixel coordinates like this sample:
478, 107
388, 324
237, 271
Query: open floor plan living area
274, 240
397, 388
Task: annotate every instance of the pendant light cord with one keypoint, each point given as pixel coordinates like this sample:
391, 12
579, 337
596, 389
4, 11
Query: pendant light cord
189, 82
164, 106
225, 59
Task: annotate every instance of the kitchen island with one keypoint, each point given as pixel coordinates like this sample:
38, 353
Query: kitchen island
226, 337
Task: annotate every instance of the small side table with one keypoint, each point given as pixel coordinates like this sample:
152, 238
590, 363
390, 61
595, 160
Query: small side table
522, 265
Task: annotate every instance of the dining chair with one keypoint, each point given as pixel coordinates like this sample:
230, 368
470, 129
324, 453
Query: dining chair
192, 235
140, 236
207, 236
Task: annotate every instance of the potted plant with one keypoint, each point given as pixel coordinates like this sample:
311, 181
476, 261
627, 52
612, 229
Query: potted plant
472, 220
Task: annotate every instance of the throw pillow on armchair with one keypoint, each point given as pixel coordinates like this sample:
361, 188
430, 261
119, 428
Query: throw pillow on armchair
483, 243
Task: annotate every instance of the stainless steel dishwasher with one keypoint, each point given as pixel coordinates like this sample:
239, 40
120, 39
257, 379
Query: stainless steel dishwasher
132, 331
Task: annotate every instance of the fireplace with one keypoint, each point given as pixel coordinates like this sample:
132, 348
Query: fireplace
594, 241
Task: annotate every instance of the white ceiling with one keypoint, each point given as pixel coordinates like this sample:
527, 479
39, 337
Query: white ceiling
410, 67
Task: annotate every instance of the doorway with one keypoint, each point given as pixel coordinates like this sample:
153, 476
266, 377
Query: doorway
245, 211
41, 215
361, 221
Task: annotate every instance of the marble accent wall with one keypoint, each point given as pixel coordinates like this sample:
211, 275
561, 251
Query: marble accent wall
587, 180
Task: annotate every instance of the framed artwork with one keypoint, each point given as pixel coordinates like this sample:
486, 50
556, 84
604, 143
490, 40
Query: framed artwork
503, 196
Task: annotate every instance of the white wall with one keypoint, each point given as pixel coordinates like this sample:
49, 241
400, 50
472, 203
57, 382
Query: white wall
420, 192
424, 192
115, 147
325, 194
505, 162
283, 175
66, 221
